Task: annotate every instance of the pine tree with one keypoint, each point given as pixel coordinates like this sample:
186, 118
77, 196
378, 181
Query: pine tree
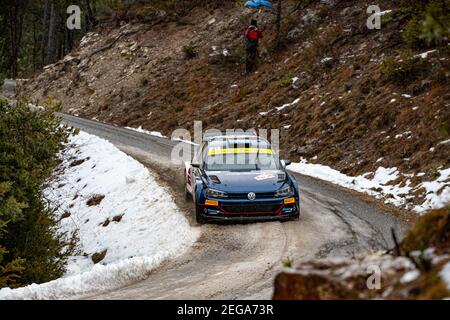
30, 249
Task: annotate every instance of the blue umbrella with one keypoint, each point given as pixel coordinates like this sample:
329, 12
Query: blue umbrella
259, 3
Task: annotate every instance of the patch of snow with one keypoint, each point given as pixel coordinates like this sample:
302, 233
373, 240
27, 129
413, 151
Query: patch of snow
424, 55
157, 134
150, 231
264, 113
406, 96
410, 276
152, 133
445, 142
437, 192
393, 100
415, 108
406, 134
445, 274
326, 59
288, 105
381, 177
382, 13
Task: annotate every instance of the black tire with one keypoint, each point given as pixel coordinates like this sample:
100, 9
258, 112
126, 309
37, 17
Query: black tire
296, 217
199, 215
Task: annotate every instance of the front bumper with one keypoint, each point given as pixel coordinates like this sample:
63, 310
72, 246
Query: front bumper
241, 210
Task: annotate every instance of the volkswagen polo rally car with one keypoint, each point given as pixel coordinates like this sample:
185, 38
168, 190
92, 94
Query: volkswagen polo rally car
240, 177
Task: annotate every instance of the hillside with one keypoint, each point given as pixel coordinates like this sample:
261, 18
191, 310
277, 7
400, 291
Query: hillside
342, 95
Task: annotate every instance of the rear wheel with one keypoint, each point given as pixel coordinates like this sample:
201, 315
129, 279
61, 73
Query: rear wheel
187, 194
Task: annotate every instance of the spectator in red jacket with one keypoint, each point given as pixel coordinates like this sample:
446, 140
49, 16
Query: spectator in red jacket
252, 36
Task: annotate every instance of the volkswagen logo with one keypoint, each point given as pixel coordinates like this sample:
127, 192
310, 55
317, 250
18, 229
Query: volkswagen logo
251, 196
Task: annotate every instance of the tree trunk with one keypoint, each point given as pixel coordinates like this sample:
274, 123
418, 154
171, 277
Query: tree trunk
44, 35
35, 44
52, 35
90, 19
279, 17
15, 19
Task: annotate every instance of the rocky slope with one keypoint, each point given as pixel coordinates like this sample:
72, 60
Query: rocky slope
342, 95
419, 269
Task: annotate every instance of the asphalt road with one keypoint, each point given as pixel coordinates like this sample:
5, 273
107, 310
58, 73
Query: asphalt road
240, 261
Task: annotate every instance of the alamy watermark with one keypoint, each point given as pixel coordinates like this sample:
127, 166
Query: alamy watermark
374, 280
374, 20
74, 20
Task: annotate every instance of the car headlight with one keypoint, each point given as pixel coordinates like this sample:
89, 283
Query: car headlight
215, 193
284, 192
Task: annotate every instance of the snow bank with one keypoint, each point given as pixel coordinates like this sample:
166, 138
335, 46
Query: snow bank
437, 192
152, 133
445, 274
137, 222
157, 134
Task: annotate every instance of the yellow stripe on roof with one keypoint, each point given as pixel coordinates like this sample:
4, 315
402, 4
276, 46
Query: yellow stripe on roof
216, 152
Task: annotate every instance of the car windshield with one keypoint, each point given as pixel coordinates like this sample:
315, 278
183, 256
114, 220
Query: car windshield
240, 158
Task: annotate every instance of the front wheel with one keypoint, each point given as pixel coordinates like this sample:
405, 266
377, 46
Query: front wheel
199, 215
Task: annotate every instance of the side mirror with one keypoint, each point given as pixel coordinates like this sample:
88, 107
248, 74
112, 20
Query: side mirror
287, 162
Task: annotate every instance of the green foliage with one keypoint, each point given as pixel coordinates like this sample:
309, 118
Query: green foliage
431, 230
387, 18
436, 23
428, 25
285, 82
288, 262
404, 70
413, 30
10, 211
444, 128
30, 249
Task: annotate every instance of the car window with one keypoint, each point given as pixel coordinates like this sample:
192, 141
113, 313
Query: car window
226, 158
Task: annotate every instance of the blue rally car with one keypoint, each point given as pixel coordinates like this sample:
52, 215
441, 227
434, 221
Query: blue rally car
240, 178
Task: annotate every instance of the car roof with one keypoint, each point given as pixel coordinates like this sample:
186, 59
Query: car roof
250, 137
236, 141
218, 135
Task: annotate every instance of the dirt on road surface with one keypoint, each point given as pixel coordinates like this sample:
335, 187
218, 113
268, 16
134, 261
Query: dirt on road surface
240, 261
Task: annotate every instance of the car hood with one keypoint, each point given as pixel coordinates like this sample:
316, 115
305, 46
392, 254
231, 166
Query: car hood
254, 181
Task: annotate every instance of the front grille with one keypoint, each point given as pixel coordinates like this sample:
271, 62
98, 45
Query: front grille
267, 195
251, 207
